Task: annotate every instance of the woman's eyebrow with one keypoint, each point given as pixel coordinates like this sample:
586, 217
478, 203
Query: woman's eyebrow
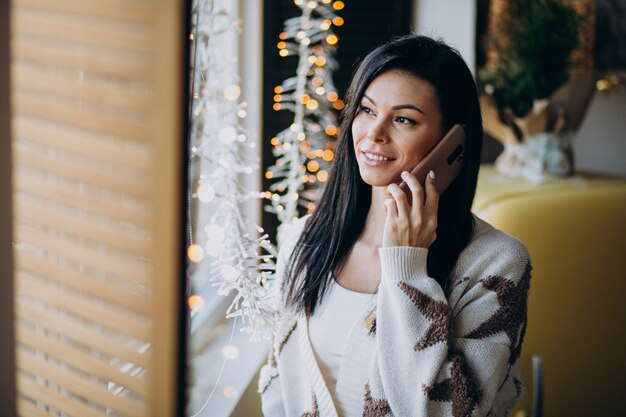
399, 106
408, 106
369, 99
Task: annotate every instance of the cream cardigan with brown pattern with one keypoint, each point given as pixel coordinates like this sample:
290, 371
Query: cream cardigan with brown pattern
430, 354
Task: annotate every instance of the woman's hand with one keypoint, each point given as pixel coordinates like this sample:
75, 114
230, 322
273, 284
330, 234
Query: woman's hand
411, 224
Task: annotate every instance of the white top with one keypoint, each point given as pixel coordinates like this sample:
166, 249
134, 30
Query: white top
330, 327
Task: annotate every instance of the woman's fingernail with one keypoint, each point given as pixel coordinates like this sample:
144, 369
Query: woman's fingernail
431, 174
404, 173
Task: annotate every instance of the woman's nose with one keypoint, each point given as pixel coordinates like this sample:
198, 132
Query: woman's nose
377, 132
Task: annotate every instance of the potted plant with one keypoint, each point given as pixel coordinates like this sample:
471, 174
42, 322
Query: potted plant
530, 66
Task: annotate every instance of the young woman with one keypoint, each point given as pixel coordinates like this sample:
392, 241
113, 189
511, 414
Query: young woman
397, 305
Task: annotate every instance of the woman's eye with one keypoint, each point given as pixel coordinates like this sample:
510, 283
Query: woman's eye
366, 110
405, 120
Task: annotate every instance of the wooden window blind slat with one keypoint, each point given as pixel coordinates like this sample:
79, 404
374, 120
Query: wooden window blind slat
63, 403
56, 193
81, 142
114, 65
132, 271
68, 168
80, 385
96, 31
77, 358
31, 77
77, 114
131, 242
76, 304
106, 290
26, 408
81, 333
135, 11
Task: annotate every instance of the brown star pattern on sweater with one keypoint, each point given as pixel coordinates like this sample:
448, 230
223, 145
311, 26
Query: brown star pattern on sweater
267, 384
511, 315
374, 408
286, 338
437, 312
460, 389
315, 412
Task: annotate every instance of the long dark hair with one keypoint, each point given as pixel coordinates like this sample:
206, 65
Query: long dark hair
335, 225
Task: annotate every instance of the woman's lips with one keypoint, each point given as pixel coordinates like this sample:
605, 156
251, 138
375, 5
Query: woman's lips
375, 159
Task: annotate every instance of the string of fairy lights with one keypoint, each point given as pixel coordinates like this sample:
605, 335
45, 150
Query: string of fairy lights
220, 152
225, 247
304, 151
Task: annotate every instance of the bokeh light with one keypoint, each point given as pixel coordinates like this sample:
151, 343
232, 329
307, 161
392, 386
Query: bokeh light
195, 253
232, 92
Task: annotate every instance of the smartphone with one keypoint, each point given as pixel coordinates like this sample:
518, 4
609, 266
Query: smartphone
445, 159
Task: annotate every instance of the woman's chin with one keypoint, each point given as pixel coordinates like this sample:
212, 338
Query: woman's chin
379, 180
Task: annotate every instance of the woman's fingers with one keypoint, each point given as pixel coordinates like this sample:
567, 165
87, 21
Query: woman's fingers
432, 196
389, 234
411, 224
432, 205
416, 189
401, 200
390, 208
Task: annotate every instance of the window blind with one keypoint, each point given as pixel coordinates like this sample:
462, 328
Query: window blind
96, 89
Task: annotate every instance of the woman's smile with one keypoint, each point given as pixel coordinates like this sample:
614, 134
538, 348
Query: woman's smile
376, 159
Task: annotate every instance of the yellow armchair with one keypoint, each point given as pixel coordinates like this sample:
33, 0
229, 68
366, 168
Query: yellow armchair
575, 230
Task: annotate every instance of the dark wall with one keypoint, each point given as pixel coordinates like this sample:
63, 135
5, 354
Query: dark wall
610, 40
367, 24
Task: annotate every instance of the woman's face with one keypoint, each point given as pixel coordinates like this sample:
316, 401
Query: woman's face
397, 123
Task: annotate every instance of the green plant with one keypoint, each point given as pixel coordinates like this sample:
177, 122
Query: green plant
533, 56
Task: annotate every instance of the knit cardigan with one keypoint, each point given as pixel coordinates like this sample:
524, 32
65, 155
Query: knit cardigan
427, 353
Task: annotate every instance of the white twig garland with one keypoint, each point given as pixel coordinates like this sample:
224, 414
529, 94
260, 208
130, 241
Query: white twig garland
221, 154
304, 150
